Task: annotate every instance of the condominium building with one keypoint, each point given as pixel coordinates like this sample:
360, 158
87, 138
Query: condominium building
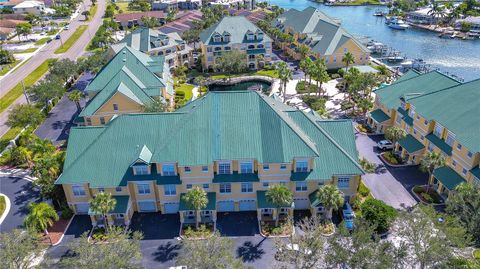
233, 144
235, 33
439, 114
324, 35
127, 83
156, 43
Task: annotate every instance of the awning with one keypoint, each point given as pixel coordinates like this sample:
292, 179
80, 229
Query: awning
408, 120
235, 177
441, 144
448, 177
299, 176
379, 116
262, 201
476, 172
411, 144
256, 51
211, 205
313, 197
120, 207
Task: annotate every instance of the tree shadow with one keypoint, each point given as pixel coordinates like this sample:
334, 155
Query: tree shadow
166, 252
249, 252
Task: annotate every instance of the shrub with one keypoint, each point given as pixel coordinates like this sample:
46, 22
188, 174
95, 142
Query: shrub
340, 72
476, 254
378, 214
335, 76
427, 197
304, 87
315, 103
367, 166
418, 189
363, 190
391, 157
66, 212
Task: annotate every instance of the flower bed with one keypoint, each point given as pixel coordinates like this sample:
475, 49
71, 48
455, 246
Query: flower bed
98, 235
204, 230
327, 228
476, 254
430, 197
363, 128
268, 228
392, 158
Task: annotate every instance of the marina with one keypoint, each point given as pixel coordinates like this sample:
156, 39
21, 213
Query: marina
460, 58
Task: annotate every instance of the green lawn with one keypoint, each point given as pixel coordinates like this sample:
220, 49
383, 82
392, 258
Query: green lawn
7, 67
29, 80
187, 89
9, 135
72, 39
2, 205
30, 50
93, 10
123, 6
42, 41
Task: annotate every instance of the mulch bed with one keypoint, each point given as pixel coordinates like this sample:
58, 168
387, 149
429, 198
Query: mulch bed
56, 231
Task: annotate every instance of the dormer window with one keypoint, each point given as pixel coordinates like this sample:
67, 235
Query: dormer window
301, 166
250, 36
259, 36
411, 111
226, 37
217, 38
141, 169
403, 105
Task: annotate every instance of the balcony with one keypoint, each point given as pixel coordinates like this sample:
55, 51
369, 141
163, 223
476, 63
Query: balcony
235, 177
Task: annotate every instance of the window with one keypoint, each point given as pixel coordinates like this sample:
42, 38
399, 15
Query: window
224, 168
450, 139
251, 47
246, 167
78, 190
170, 190
259, 36
209, 49
102, 120
418, 117
115, 107
89, 121
247, 187
168, 169
422, 137
438, 130
464, 171
206, 186
118, 189
187, 169
430, 147
344, 50
398, 119
469, 154
454, 163
425, 122
411, 111
459, 146
205, 168
343, 182
227, 48
217, 38
301, 166
403, 105
225, 188
101, 190
334, 59
141, 170
143, 188
320, 183
260, 46
218, 48
265, 184
301, 186
283, 167
226, 38
189, 186
250, 37
414, 131
266, 167
251, 57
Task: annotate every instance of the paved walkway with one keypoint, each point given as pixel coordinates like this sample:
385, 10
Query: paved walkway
391, 185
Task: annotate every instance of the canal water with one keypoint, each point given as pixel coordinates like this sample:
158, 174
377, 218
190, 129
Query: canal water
453, 56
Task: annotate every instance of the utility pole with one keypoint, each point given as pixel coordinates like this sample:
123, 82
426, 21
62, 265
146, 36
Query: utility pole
25, 92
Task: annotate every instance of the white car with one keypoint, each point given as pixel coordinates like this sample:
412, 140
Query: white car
294, 247
66, 27
385, 144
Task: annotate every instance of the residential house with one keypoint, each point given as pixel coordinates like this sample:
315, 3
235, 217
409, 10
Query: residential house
153, 42
235, 33
439, 114
425, 16
135, 18
176, 4
6, 33
33, 7
473, 22
185, 20
324, 35
128, 82
233, 144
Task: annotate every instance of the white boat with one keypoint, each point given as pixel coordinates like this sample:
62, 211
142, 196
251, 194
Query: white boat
398, 24
378, 13
417, 64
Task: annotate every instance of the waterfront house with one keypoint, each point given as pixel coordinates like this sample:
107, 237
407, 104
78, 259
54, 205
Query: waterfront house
233, 144
128, 82
324, 35
176, 4
439, 114
153, 42
474, 23
235, 33
424, 16
33, 7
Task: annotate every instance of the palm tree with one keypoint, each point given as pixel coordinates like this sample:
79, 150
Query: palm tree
320, 74
103, 203
86, 13
430, 162
304, 64
285, 74
436, 12
26, 155
41, 216
348, 59
303, 50
279, 196
395, 134
196, 199
331, 198
75, 96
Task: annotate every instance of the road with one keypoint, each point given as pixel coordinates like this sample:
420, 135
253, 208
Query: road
78, 49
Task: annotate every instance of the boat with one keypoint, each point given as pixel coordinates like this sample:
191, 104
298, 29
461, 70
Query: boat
377, 48
378, 13
398, 24
395, 59
417, 64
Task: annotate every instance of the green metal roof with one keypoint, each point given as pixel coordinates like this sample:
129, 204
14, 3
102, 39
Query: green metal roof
476, 172
145, 39
440, 143
235, 177
313, 197
412, 73
411, 144
233, 125
262, 201
449, 178
236, 26
211, 205
121, 205
408, 120
379, 116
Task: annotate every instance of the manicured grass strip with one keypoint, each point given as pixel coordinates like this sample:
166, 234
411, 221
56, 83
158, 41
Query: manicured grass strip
29, 80
5, 68
30, 50
9, 135
42, 41
93, 10
72, 39
187, 89
2, 205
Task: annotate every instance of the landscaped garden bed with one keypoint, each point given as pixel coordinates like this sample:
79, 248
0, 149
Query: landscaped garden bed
189, 231
268, 228
392, 158
327, 228
305, 87
363, 128
427, 195
476, 254
98, 234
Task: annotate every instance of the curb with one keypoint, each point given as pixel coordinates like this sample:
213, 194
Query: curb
66, 228
7, 208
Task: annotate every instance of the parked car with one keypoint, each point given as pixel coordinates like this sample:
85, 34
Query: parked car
385, 144
348, 216
57, 37
66, 27
292, 247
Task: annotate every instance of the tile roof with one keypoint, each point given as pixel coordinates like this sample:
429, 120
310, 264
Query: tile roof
219, 126
449, 178
236, 26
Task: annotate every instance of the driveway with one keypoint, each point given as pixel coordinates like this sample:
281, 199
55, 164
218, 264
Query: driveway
391, 185
234, 224
20, 192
